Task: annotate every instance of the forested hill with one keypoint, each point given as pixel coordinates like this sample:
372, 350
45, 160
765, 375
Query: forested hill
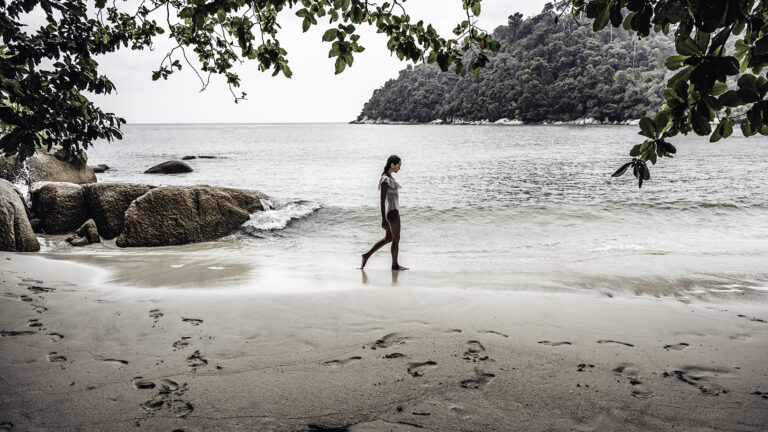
545, 71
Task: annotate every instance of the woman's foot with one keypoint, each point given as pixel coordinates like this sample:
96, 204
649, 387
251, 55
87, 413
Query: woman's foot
399, 267
365, 260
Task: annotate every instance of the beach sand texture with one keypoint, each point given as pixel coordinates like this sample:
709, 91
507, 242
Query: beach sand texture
81, 352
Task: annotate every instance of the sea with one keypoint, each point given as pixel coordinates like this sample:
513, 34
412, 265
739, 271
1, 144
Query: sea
524, 208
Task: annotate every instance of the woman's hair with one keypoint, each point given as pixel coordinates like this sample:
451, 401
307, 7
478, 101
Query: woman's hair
392, 160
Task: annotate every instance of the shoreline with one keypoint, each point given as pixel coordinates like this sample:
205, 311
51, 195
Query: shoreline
380, 358
500, 122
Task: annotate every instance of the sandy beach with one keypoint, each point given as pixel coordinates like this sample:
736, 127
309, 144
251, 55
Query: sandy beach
81, 351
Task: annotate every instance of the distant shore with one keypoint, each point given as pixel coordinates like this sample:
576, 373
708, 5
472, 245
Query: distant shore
501, 122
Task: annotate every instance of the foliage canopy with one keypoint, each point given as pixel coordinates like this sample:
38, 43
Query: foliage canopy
698, 95
45, 72
546, 70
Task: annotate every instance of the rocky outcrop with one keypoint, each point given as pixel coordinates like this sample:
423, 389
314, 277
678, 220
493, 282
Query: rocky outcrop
55, 166
174, 215
100, 168
170, 167
59, 206
188, 157
85, 235
16, 233
107, 203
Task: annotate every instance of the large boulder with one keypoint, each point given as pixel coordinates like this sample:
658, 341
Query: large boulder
55, 166
100, 168
174, 215
59, 206
170, 167
85, 235
16, 233
107, 203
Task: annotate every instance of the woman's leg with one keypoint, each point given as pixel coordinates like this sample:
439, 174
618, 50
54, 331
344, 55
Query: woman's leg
387, 238
394, 227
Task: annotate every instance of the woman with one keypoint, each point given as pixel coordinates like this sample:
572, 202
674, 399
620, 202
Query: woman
390, 212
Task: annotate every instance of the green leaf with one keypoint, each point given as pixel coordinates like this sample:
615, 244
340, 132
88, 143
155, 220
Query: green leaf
476, 8
700, 124
687, 47
746, 128
340, 65
620, 172
719, 88
305, 24
675, 62
660, 121
747, 81
729, 99
330, 35
647, 128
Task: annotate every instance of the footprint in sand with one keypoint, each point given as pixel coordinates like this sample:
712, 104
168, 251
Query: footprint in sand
169, 395
494, 332
677, 347
554, 344
25, 298
34, 323
608, 341
196, 361
417, 369
155, 314
394, 355
40, 289
627, 370
584, 366
193, 321
6, 426
389, 340
56, 357
342, 362
481, 378
181, 343
111, 360
758, 393
142, 384
56, 336
39, 309
701, 378
755, 319
5, 333
475, 351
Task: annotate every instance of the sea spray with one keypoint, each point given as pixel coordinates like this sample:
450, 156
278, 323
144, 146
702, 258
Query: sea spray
278, 214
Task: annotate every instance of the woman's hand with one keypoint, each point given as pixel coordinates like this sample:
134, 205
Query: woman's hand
385, 224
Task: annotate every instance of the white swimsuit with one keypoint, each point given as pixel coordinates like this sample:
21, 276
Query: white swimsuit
392, 198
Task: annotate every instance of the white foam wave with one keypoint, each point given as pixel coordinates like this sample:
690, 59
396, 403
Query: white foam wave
277, 215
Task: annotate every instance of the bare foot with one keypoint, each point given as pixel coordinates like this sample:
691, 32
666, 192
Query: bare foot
399, 267
365, 260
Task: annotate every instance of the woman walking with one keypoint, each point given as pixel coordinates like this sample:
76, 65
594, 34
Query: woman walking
390, 212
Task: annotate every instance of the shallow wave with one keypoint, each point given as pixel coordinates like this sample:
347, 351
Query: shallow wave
278, 214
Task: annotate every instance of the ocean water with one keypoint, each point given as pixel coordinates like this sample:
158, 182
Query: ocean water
488, 207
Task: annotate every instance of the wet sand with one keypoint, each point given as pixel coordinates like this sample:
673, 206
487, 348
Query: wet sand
82, 351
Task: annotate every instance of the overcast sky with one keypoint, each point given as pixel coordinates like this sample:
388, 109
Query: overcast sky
313, 94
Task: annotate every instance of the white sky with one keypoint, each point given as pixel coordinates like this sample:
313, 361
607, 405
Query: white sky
313, 94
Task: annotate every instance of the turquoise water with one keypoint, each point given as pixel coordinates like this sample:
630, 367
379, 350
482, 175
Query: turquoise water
504, 207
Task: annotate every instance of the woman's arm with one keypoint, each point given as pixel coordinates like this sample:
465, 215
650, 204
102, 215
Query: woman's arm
384, 188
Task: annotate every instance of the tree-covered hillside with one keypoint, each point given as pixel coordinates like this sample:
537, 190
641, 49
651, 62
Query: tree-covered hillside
547, 69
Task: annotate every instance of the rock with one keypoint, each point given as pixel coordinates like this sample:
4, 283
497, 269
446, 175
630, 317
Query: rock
37, 225
16, 233
60, 206
100, 168
206, 157
170, 167
85, 235
174, 215
436, 121
107, 203
189, 158
55, 166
